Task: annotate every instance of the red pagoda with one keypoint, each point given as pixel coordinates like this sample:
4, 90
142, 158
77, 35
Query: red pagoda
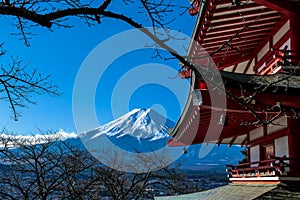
255, 47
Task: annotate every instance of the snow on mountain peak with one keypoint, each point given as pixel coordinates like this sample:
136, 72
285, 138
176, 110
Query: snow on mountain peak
139, 123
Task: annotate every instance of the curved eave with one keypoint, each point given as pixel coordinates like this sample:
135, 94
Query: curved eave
187, 109
202, 124
283, 83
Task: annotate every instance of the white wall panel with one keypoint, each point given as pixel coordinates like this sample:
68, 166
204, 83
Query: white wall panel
281, 146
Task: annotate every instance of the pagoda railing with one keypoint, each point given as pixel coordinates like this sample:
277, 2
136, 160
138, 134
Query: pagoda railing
282, 59
288, 57
275, 166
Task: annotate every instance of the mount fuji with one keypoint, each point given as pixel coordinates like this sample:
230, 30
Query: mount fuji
140, 130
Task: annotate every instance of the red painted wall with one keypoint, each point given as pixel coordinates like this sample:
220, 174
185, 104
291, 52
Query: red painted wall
294, 146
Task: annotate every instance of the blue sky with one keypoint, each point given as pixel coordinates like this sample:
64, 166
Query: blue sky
61, 53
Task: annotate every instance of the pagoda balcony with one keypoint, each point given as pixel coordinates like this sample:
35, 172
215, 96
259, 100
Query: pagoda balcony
273, 171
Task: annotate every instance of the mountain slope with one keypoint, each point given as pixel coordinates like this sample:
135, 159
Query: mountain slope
141, 130
139, 123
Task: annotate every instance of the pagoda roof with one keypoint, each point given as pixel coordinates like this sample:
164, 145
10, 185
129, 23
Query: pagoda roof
241, 36
232, 33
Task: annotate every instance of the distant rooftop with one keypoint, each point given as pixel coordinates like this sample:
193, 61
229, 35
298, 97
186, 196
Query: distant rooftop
232, 192
243, 192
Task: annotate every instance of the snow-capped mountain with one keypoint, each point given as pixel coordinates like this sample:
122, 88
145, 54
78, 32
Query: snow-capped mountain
139, 123
140, 129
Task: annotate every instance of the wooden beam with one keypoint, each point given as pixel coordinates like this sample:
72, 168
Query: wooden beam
234, 42
243, 50
219, 142
248, 66
232, 141
231, 22
235, 8
232, 33
235, 66
235, 46
243, 14
230, 54
244, 39
245, 142
239, 26
285, 7
228, 36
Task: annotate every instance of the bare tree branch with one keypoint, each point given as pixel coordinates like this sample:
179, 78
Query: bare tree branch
17, 85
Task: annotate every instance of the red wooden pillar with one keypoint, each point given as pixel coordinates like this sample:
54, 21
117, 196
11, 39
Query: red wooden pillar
294, 143
295, 36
